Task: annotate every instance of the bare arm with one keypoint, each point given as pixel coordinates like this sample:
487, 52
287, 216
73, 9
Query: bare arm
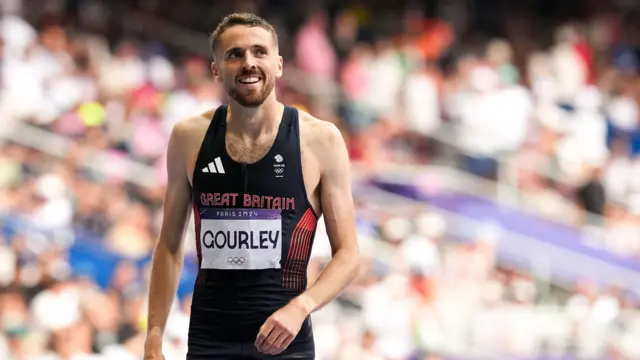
339, 215
168, 255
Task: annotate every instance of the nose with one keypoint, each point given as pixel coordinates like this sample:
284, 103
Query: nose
249, 62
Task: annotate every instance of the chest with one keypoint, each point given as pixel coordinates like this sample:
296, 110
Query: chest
249, 152
268, 173
265, 168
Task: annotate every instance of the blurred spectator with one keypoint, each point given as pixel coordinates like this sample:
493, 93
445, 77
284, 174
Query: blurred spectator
545, 107
592, 195
314, 52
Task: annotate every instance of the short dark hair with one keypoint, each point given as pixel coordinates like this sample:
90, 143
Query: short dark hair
245, 19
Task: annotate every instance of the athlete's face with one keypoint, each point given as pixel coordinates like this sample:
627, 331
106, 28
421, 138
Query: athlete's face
247, 63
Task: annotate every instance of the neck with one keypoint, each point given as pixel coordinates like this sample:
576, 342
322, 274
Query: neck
252, 122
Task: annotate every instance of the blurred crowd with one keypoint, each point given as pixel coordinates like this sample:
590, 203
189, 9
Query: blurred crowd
553, 102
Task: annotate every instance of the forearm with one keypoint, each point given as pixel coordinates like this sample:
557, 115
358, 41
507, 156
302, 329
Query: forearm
340, 271
165, 273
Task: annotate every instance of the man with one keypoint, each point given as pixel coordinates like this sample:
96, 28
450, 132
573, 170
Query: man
259, 175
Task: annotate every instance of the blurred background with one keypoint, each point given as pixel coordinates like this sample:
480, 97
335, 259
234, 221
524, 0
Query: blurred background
495, 156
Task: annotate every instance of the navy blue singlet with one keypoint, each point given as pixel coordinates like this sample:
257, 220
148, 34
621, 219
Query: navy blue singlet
255, 229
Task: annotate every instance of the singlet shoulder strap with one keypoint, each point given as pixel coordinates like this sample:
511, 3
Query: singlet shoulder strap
294, 126
219, 117
289, 117
219, 120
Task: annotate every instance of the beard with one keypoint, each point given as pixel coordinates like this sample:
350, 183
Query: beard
252, 98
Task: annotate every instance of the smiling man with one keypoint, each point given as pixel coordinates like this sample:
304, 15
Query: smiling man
258, 175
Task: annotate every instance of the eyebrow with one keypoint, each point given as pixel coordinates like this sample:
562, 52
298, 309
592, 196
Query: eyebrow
236, 48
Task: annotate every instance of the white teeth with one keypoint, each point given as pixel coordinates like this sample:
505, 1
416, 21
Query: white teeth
249, 80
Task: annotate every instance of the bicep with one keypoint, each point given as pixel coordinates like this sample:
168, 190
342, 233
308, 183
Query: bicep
335, 193
177, 198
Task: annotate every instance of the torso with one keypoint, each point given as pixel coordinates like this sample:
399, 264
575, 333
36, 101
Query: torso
243, 154
256, 208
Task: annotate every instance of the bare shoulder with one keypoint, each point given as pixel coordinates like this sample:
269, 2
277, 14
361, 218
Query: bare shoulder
188, 133
193, 126
186, 138
319, 136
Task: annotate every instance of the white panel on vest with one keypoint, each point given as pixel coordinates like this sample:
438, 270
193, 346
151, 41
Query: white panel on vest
241, 239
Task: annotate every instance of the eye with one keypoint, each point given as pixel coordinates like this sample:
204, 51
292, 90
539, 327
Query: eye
234, 54
261, 52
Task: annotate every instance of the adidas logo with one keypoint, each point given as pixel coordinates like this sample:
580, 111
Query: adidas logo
214, 167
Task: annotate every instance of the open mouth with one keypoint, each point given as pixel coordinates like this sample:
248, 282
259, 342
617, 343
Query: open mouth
248, 80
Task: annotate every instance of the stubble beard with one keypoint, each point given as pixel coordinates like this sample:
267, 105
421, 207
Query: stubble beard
253, 99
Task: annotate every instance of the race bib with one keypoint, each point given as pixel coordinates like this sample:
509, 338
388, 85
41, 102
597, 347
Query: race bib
241, 239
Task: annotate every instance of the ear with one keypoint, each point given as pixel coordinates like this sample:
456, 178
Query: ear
280, 67
216, 72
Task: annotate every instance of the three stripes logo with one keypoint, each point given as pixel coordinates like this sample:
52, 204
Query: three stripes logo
214, 167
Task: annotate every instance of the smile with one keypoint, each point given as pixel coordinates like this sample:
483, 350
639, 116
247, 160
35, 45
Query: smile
249, 80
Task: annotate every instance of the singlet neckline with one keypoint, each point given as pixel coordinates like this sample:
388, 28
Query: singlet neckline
268, 154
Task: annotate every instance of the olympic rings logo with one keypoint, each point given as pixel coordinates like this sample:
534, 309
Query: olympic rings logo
278, 170
236, 260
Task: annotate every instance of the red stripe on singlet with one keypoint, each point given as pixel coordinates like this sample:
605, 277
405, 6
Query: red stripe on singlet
287, 274
306, 247
298, 250
301, 250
